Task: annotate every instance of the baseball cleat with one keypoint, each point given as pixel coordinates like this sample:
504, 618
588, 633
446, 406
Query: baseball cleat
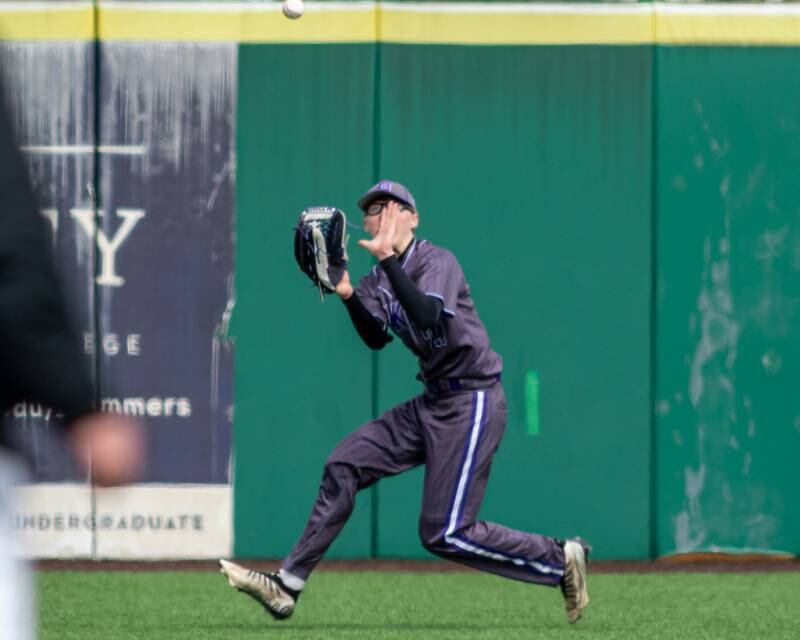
573, 584
266, 588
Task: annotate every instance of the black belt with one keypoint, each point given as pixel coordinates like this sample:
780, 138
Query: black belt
452, 385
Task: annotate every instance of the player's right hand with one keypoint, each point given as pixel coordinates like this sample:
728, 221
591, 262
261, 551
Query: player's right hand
344, 289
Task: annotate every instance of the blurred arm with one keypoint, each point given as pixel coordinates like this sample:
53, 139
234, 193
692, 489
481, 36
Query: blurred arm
40, 355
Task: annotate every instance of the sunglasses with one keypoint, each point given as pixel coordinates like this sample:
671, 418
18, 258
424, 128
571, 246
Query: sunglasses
376, 207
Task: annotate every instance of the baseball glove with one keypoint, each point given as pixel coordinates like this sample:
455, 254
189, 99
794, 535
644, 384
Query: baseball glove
320, 246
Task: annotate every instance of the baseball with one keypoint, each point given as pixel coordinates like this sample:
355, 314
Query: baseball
293, 9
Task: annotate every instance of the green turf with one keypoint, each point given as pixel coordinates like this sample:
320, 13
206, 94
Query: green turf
201, 606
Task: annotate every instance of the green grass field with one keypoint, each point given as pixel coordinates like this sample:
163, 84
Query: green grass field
201, 606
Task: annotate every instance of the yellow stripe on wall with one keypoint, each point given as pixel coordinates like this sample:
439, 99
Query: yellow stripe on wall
769, 27
515, 28
38, 21
248, 24
475, 24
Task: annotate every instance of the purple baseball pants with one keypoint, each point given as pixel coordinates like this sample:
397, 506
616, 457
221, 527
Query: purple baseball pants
455, 436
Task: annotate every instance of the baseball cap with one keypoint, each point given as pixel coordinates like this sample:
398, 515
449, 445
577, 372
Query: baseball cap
387, 188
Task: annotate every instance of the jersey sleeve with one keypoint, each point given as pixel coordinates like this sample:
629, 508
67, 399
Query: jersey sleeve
441, 277
369, 295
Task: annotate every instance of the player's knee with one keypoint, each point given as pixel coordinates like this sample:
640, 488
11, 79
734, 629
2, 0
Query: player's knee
339, 477
432, 535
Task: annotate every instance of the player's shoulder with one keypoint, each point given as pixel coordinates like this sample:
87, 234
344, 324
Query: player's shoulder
430, 254
432, 251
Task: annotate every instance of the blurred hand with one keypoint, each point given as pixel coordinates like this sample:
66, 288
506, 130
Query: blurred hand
110, 445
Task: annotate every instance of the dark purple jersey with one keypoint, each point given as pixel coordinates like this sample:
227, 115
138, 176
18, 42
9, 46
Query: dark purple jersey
458, 346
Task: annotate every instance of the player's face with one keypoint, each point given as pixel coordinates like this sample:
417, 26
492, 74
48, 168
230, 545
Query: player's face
406, 221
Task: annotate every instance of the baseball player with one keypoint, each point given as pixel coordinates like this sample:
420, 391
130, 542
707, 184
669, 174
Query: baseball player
418, 291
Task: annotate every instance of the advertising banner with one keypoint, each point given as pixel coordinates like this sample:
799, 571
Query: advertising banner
140, 201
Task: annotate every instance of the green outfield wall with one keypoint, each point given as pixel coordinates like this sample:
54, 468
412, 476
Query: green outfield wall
619, 184
565, 179
303, 380
727, 324
530, 164
544, 195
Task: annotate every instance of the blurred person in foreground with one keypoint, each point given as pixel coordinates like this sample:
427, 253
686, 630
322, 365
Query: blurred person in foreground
41, 361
